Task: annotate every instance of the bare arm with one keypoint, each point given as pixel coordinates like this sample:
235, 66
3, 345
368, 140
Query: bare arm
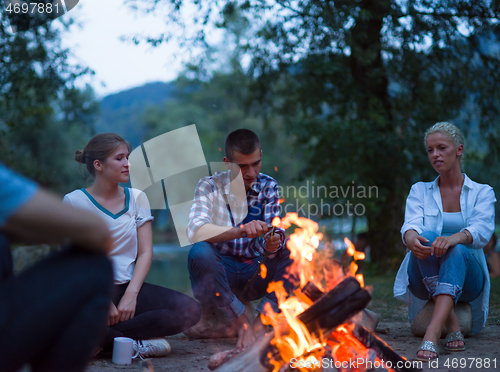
215, 234
45, 219
128, 302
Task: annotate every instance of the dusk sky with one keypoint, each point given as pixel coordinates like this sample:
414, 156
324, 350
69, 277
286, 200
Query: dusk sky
119, 65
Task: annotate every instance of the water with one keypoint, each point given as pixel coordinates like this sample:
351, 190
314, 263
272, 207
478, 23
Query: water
169, 267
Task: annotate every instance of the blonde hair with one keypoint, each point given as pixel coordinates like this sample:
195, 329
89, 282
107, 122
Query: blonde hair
454, 134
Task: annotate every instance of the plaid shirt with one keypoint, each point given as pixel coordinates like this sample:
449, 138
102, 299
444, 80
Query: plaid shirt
213, 200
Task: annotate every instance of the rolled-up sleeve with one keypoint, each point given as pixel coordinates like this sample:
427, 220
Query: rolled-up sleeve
414, 211
201, 211
143, 213
481, 223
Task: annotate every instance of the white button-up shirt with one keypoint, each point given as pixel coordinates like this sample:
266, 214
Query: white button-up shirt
424, 212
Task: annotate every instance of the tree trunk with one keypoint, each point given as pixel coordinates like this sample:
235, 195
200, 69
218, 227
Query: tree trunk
386, 247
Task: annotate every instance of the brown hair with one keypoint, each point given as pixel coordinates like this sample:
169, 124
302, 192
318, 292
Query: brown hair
99, 148
242, 140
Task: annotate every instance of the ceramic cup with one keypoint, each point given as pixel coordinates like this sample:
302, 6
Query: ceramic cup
123, 350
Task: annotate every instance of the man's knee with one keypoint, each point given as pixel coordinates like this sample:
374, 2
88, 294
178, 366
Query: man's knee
201, 252
83, 269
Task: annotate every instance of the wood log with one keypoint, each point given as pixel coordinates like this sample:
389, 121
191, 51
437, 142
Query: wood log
253, 359
337, 295
312, 292
257, 358
384, 351
224, 356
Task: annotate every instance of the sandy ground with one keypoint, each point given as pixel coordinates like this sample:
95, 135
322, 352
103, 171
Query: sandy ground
193, 355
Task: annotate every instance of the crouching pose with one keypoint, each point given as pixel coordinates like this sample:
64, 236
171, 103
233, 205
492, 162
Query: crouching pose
229, 223
141, 311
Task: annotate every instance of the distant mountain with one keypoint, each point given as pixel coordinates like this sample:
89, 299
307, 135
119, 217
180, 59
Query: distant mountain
122, 112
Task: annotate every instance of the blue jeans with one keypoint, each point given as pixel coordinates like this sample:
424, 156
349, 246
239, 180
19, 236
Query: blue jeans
222, 278
456, 273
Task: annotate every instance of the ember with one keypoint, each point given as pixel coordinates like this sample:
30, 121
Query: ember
314, 326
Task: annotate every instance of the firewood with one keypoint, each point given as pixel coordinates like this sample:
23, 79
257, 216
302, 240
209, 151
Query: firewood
330, 311
253, 359
384, 351
220, 358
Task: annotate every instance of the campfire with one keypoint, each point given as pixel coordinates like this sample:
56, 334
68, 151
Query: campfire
314, 330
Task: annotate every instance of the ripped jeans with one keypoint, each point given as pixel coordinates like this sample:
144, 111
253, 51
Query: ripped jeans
456, 273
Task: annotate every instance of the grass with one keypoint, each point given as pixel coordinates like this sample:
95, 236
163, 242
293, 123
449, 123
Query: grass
383, 301
170, 270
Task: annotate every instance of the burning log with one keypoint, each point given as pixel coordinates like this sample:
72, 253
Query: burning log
337, 306
312, 325
331, 310
383, 350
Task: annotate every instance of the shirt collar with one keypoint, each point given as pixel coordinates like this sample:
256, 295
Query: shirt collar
467, 182
256, 187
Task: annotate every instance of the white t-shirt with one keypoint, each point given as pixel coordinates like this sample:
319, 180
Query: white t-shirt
123, 226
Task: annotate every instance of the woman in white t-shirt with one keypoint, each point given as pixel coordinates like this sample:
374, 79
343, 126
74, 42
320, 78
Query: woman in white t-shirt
139, 310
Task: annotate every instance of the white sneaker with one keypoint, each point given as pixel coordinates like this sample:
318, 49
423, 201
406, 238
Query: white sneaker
152, 348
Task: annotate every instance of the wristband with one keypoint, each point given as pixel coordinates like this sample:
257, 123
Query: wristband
467, 234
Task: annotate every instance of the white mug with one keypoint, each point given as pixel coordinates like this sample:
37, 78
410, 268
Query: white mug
123, 350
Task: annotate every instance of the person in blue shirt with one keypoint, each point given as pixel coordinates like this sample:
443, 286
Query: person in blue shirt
53, 314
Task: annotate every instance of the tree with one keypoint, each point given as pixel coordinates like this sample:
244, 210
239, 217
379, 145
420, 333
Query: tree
44, 118
359, 81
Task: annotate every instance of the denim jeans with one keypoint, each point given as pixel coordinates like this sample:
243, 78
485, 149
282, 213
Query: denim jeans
222, 278
456, 273
53, 314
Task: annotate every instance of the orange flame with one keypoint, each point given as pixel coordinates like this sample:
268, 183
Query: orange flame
275, 168
351, 251
263, 271
295, 340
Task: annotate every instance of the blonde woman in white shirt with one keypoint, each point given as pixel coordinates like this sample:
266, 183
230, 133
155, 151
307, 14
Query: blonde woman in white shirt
447, 223
139, 310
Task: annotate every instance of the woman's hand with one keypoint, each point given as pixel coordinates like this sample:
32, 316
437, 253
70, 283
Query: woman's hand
126, 306
418, 249
440, 246
414, 243
113, 315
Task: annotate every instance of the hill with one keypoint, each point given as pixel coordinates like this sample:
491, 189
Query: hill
122, 112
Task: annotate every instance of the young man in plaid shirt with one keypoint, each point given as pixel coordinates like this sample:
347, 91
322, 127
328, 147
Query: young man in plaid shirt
230, 224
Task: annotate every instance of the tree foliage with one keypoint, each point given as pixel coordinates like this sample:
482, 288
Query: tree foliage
218, 107
44, 117
358, 82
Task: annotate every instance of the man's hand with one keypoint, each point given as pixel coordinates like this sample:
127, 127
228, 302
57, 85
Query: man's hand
114, 315
254, 229
272, 242
246, 335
